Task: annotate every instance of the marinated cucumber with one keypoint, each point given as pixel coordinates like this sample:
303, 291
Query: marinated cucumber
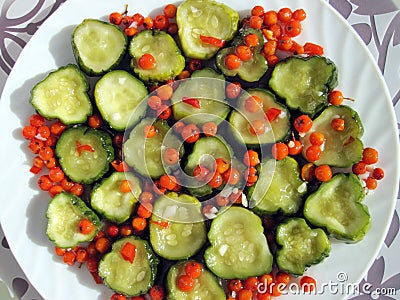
206, 286
126, 277
208, 87
98, 46
337, 206
277, 128
300, 246
63, 95
279, 187
84, 153
205, 151
177, 230
108, 200
239, 248
64, 214
120, 99
169, 61
342, 148
145, 155
207, 18
304, 83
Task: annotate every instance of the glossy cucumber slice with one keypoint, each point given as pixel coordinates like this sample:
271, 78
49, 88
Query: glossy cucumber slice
300, 246
84, 153
208, 18
63, 95
120, 99
336, 205
341, 148
98, 46
177, 230
169, 61
304, 83
125, 277
205, 151
239, 248
108, 199
208, 87
64, 213
145, 155
206, 286
279, 187
277, 129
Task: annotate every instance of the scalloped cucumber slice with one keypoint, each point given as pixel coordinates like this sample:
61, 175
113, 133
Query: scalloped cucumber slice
168, 57
304, 82
63, 95
119, 97
277, 129
341, 148
98, 46
64, 213
84, 153
185, 231
300, 246
208, 87
145, 155
239, 248
122, 276
336, 206
206, 285
108, 199
279, 187
207, 18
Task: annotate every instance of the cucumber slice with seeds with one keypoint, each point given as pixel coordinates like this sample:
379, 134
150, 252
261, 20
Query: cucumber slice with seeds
206, 286
122, 276
108, 199
63, 95
177, 230
119, 97
84, 153
64, 213
168, 57
98, 46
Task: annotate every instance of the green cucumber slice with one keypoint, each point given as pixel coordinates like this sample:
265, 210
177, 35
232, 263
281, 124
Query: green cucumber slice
276, 130
336, 205
208, 87
169, 61
98, 46
108, 200
206, 286
300, 246
63, 95
64, 213
279, 187
208, 18
341, 148
122, 276
304, 83
119, 97
185, 232
145, 155
84, 153
239, 248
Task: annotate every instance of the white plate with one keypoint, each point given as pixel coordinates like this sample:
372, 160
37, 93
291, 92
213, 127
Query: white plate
23, 206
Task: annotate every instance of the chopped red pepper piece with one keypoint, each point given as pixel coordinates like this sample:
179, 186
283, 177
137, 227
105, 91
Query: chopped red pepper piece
80, 148
191, 101
128, 252
313, 49
119, 165
272, 113
162, 224
35, 169
212, 41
